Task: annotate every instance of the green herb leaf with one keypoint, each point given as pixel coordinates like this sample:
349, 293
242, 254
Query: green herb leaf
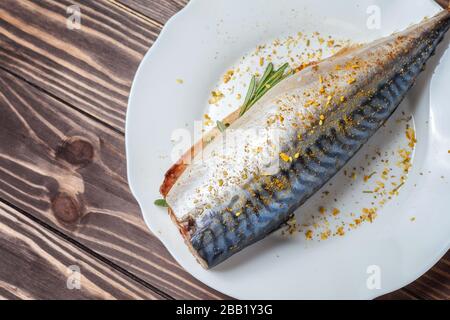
278, 74
248, 98
265, 76
283, 67
222, 127
269, 79
271, 82
372, 174
161, 203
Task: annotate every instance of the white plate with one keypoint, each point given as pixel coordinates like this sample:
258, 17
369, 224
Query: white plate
199, 45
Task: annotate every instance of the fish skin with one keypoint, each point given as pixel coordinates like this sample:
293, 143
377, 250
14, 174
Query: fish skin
218, 220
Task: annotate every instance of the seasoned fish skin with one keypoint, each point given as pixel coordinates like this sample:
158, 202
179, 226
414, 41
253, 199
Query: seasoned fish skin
219, 214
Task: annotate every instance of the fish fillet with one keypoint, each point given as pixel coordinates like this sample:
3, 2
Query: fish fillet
247, 182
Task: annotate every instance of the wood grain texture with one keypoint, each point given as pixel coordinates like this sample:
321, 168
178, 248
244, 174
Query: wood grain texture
90, 68
159, 11
35, 265
69, 171
398, 295
435, 284
443, 3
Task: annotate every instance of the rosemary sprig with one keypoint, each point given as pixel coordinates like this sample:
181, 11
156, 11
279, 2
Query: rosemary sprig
266, 75
274, 79
257, 89
269, 79
249, 96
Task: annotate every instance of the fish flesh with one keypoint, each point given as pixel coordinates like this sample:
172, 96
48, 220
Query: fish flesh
246, 182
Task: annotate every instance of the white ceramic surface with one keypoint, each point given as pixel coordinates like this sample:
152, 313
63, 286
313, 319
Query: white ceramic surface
199, 45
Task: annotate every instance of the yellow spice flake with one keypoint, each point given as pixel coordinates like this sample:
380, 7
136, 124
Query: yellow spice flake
384, 174
406, 160
322, 210
351, 81
369, 214
238, 213
324, 235
336, 212
340, 231
180, 81
208, 121
220, 182
367, 178
216, 96
411, 136
280, 118
227, 77
261, 61
309, 235
285, 157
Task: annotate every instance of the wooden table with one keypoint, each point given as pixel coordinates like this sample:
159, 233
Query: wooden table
64, 197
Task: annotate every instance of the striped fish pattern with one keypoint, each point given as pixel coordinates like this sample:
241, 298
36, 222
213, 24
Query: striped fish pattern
325, 114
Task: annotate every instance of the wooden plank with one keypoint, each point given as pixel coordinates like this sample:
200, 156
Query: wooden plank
435, 284
70, 171
35, 265
398, 295
159, 11
443, 3
90, 68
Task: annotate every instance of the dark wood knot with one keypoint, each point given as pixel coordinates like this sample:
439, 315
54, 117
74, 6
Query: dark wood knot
66, 208
77, 151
